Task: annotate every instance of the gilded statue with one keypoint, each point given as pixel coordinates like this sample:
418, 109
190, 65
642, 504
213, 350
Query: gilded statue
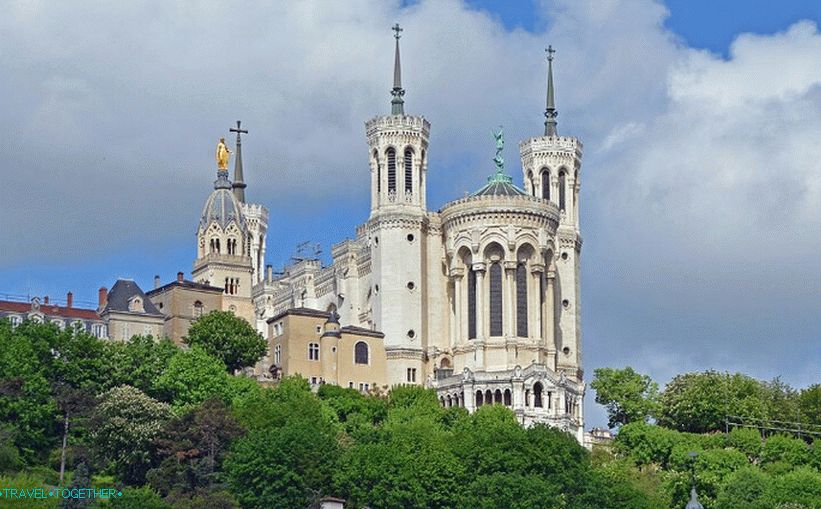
500, 146
222, 155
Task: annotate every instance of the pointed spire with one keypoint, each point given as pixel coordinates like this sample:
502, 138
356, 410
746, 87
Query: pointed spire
397, 103
550, 112
238, 185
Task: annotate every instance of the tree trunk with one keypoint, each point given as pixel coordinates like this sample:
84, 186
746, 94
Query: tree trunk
63, 451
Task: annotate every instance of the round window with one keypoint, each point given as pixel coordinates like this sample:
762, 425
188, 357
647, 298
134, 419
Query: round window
410, 237
411, 334
411, 286
564, 255
566, 303
566, 350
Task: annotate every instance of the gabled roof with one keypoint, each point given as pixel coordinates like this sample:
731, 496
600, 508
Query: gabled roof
49, 310
121, 294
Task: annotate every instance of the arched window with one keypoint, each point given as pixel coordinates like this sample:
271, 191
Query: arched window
496, 299
391, 153
488, 397
562, 178
408, 170
378, 171
226, 285
471, 304
449, 401
479, 398
497, 396
507, 398
360, 352
521, 300
198, 309
217, 242
546, 184
537, 395
531, 182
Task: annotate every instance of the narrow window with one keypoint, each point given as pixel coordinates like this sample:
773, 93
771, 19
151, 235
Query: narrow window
471, 304
507, 398
408, 171
531, 182
391, 170
537, 395
546, 184
496, 299
479, 398
378, 171
497, 396
521, 300
361, 353
277, 354
562, 176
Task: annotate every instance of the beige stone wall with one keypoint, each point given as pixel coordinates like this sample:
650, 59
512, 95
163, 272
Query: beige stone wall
176, 302
122, 326
336, 354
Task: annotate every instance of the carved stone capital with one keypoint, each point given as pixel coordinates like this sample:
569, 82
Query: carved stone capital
479, 267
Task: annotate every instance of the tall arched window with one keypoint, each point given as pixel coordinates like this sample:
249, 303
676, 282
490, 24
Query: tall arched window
378, 171
471, 304
521, 300
360, 352
496, 299
479, 398
198, 309
545, 183
562, 178
408, 170
391, 153
537, 395
531, 182
508, 398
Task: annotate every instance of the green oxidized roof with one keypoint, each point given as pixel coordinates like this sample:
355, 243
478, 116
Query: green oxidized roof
499, 184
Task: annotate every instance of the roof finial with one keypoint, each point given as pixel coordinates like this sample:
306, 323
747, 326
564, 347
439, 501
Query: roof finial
238, 185
550, 112
397, 103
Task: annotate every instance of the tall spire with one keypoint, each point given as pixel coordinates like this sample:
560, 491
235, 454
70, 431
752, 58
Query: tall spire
550, 112
238, 185
397, 103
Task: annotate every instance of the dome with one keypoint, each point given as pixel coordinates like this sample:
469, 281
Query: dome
221, 206
500, 184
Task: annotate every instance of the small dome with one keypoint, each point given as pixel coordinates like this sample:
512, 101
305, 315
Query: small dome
221, 206
500, 184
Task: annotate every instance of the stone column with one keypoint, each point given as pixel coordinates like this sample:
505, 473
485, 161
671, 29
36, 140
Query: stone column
549, 311
481, 326
509, 300
534, 300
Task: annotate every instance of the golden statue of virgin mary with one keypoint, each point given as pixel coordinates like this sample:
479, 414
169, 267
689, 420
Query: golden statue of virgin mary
222, 155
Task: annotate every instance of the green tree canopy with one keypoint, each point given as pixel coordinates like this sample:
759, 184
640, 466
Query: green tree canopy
628, 396
228, 338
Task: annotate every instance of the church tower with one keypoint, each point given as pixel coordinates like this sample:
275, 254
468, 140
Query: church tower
551, 166
397, 149
223, 248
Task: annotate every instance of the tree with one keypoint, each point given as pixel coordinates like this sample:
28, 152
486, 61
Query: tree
809, 404
192, 448
228, 338
629, 396
191, 377
138, 498
700, 402
126, 422
80, 480
138, 362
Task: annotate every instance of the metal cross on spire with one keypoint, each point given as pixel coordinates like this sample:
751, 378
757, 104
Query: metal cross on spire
238, 184
550, 112
397, 103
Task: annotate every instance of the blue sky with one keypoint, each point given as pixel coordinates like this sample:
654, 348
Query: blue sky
697, 254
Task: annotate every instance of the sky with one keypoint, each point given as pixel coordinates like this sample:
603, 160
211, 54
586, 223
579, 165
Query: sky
701, 177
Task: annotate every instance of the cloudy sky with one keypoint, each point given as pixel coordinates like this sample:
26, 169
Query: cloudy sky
701, 178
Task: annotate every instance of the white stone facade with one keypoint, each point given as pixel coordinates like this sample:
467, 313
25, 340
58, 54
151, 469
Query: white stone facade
486, 288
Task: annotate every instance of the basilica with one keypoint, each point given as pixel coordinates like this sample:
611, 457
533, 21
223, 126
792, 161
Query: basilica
478, 300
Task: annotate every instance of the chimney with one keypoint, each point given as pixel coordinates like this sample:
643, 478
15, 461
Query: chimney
156, 282
45, 300
269, 270
69, 300
102, 297
179, 277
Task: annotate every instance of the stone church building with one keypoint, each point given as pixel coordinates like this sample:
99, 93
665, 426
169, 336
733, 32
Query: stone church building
478, 300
